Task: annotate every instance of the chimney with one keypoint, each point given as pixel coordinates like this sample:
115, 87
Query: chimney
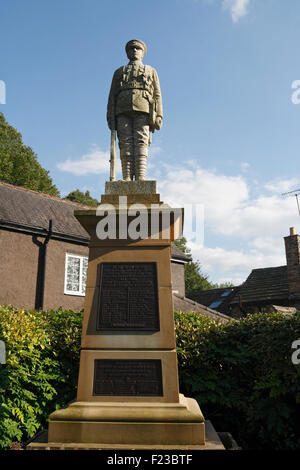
292, 250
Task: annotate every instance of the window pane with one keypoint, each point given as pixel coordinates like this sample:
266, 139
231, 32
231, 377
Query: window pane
73, 273
226, 292
84, 273
215, 304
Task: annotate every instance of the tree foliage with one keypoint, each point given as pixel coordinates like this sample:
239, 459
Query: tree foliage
242, 375
19, 164
82, 198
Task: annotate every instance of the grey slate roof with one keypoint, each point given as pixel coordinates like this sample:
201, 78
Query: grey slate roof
33, 209
183, 304
218, 299
178, 254
264, 285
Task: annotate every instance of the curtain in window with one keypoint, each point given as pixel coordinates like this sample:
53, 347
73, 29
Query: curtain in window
73, 274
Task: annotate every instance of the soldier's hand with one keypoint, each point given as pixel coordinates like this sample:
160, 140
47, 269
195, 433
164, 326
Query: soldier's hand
158, 123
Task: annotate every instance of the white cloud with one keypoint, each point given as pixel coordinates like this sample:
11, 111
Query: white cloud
280, 186
228, 208
249, 229
221, 195
94, 162
220, 259
237, 8
269, 245
233, 265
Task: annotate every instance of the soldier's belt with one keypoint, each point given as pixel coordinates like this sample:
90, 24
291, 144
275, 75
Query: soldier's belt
137, 85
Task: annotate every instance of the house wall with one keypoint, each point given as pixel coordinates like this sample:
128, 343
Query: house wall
55, 276
19, 269
178, 282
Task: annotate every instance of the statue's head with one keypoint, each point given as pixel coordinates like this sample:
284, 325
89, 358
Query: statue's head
135, 49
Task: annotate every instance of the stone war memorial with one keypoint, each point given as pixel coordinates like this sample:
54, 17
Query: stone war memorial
128, 393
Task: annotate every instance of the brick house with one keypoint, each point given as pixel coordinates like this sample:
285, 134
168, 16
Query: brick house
44, 253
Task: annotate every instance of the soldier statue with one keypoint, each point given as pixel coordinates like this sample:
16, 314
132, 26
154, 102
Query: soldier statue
134, 110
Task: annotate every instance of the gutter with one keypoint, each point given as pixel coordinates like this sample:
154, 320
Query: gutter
30, 230
43, 263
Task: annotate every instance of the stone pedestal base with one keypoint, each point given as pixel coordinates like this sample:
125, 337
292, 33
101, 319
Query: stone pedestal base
212, 442
141, 424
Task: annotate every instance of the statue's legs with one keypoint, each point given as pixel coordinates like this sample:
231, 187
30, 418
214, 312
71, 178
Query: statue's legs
125, 138
133, 136
141, 134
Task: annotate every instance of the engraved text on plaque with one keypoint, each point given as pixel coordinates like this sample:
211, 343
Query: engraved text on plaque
128, 377
128, 297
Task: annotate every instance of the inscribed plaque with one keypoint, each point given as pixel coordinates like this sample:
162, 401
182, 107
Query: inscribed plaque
128, 297
128, 377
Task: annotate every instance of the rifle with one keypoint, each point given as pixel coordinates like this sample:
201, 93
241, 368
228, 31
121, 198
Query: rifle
112, 160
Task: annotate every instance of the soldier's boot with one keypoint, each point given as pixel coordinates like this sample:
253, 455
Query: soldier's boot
126, 166
140, 167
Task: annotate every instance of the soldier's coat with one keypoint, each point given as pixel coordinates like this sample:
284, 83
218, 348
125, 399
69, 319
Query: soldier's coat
134, 87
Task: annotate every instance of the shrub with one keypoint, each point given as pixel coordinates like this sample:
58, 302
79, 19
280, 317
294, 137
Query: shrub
242, 375
40, 375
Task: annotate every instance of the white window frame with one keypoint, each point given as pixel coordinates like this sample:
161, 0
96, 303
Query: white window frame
71, 292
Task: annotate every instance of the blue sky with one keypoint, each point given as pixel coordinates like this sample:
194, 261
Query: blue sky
230, 138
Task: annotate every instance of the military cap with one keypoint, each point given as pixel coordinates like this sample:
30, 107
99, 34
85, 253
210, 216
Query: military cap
133, 42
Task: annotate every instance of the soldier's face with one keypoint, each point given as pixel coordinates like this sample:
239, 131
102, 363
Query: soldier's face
135, 52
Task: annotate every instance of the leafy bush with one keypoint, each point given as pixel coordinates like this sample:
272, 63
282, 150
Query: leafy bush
242, 376
40, 375
240, 373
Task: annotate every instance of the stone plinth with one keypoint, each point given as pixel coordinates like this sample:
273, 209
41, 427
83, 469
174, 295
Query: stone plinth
128, 395
212, 442
133, 424
124, 188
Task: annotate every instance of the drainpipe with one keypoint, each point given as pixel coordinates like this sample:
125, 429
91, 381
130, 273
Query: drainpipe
44, 262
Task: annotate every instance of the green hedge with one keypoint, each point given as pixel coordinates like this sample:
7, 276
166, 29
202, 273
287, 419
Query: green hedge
242, 376
241, 373
40, 375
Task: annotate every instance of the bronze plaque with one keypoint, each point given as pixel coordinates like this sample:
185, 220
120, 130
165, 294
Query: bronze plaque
128, 297
128, 377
